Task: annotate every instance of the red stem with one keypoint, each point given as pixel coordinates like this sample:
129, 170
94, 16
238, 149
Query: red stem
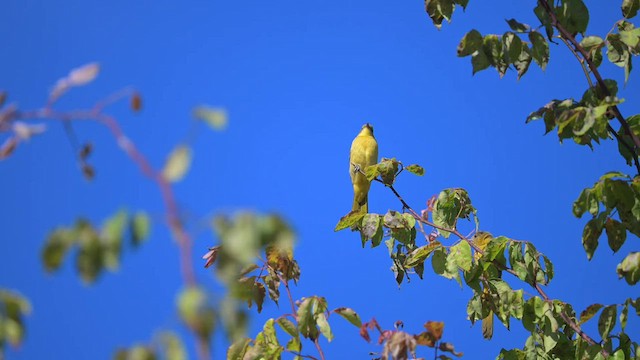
168, 196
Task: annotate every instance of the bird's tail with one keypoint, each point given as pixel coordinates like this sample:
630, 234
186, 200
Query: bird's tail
362, 208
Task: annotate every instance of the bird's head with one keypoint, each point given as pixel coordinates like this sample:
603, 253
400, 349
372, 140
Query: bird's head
367, 128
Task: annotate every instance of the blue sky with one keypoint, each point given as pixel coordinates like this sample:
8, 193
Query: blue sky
298, 79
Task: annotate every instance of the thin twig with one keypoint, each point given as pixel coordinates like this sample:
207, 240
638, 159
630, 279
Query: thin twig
286, 286
301, 355
317, 343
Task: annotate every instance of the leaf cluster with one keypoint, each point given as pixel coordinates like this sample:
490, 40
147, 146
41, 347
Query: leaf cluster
481, 261
614, 204
13, 308
583, 121
98, 249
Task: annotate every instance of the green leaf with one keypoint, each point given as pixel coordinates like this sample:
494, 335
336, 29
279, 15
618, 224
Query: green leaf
140, 228
306, 318
516, 259
460, 254
387, 169
173, 346
462, 3
593, 45
548, 265
112, 235
451, 205
542, 15
630, 268
288, 326
349, 220
479, 61
607, 321
195, 311
470, 43
439, 261
14, 332
372, 229
177, 164
631, 38
617, 51
16, 305
415, 169
237, 350
618, 355
89, 259
587, 119
419, 255
523, 61
624, 315
495, 248
590, 235
394, 220
250, 290
517, 26
616, 233
323, 324
350, 315
574, 16
294, 345
539, 49
438, 10
630, 8
492, 47
113, 228
56, 247
511, 46
216, 118
634, 124
589, 312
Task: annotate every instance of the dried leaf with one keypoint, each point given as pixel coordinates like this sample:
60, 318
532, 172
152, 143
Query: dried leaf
136, 102
24, 131
77, 77
83, 74
8, 147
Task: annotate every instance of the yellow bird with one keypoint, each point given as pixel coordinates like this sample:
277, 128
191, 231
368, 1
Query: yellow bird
364, 152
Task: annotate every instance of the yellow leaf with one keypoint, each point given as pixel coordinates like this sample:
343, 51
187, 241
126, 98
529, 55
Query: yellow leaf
177, 164
216, 118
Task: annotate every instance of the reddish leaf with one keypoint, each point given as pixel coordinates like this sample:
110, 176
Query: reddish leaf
8, 147
210, 256
364, 333
136, 102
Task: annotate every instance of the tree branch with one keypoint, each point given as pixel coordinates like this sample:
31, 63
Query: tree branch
168, 196
536, 286
603, 87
